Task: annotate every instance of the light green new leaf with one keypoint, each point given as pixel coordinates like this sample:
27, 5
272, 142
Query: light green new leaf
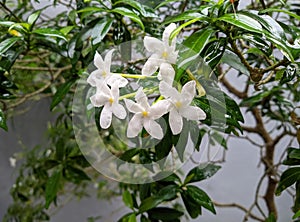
130, 14
91, 9
178, 29
127, 199
6, 23
33, 17
50, 32
242, 21
7, 44
66, 30
296, 215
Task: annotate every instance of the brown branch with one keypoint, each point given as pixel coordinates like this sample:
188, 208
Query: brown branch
241, 208
233, 90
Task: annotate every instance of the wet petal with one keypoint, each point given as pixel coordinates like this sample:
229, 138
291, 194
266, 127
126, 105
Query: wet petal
175, 121
193, 113
151, 66
98, 61
142, 99
167, 73
158, 109
153, 45
116, 79
119, 111
153, 128
167, 32
132, 106
107, 60
134, 126
167, 90
98, 100
106, 116
188, 92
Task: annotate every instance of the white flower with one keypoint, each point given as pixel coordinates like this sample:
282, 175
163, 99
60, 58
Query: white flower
164, 54
145, 115
12, 161
109, 98
103, 74
180, 105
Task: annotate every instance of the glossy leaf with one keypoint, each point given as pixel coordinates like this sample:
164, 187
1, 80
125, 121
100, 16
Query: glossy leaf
201, 172
199, 197
33, 17
288, 178
242, 21
187, 15
280, 10
127, 199
130, 217
234, 61
61, 93
49, 33
52, 187
3, 121
164, 214
192, 208
143, 9
296, 215
130, 14
7, 44
165, 194
100, 30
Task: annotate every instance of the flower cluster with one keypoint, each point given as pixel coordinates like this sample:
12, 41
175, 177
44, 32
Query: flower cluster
176, 103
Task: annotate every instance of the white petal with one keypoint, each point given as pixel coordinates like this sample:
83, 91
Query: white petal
167, 73
167, 32
150, 66
193, 113
98, 100
142, 99
116, 79
98, 61
172, 55
102, 88
107, 60
158, 109
92, 79
153, 45
175, 121
119, 111
106, 116
168, 91
153, 128
134, 126
115, 91
133, 107
188, 92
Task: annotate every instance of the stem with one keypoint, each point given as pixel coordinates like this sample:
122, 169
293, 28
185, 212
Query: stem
133, 76
200, 89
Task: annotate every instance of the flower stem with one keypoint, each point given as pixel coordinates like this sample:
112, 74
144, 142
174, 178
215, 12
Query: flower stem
130, 95
200, 89
133, 76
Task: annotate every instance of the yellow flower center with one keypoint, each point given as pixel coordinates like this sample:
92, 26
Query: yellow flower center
164, 54
111, 100
178, 104
145, 113
104, 74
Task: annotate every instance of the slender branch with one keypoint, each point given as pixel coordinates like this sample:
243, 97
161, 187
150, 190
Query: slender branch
10, 12
241, 208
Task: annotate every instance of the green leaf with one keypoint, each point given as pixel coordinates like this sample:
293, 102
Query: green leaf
130, 217
33, 17
101, 29
280, 10
91, 9
143, 9
76, 175
216, 137
296, 215
130, 14
166, 176
294, 153
61, 93
7, 44
199, 197
164, 214
242, 21
201, 172
6, 23
165, 194
127, 199
271, 218
288, 178
187, 15
52, 187
3, 121
192, 208
234, 61
178, 29
166, 2
66, 30
49, 33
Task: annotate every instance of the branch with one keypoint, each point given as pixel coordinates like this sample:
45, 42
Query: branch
241, 208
